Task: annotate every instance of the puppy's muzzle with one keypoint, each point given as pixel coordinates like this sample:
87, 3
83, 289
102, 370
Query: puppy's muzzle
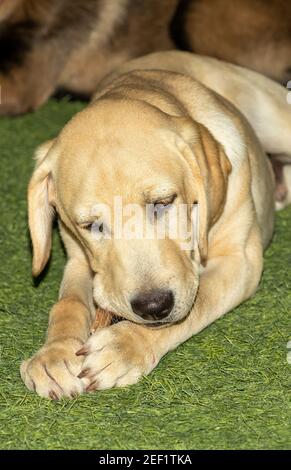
153, 305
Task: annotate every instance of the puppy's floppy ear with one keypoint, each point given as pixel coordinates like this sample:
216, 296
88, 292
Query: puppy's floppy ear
210, 168
40, 208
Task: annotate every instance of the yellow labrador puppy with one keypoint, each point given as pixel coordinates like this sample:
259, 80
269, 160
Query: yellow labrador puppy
160, 139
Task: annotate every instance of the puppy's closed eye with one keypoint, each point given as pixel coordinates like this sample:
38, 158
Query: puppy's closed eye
93, 226
162, 205
165, 201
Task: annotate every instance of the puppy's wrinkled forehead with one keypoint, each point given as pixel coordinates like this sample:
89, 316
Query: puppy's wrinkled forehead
111, 144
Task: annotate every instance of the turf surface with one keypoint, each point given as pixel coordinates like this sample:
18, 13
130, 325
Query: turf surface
228, 387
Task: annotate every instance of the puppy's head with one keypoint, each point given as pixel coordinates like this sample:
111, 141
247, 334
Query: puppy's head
125, 180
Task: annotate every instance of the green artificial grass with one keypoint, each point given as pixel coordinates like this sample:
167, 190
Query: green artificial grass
226, 388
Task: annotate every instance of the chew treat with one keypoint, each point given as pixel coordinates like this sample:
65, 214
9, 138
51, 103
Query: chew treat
102, 318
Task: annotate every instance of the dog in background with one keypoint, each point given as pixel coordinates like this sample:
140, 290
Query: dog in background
50, 45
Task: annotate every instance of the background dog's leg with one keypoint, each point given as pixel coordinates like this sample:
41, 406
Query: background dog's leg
283, 183
281, 188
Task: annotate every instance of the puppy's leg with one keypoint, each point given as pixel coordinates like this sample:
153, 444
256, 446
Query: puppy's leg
52, 371
120, 354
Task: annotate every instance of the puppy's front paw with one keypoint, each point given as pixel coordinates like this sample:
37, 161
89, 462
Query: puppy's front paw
117, 356
52, 372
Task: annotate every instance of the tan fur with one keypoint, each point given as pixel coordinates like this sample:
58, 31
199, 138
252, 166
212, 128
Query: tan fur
152, 133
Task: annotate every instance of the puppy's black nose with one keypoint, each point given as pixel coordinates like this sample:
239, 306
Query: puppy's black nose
153, 305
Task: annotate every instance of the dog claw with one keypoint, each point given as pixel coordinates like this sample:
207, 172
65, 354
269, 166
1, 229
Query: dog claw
92, 386
82, 352
53, 396
83, 373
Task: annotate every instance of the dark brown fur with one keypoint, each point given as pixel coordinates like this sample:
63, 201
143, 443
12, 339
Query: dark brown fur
47, 45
